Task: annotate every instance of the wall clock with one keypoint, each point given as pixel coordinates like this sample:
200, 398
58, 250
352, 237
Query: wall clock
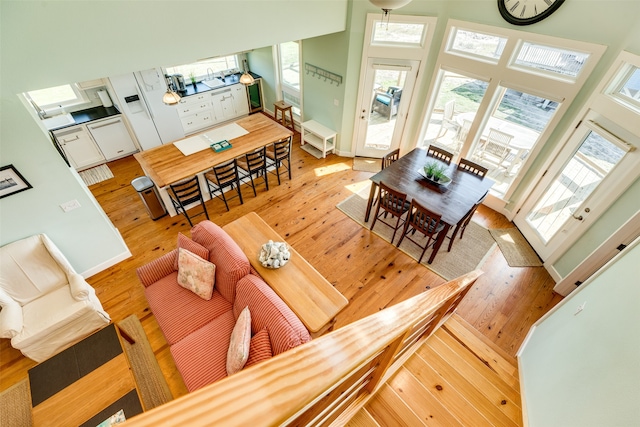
526, 12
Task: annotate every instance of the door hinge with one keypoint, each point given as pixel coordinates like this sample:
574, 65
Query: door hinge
621, 246
578, 283
579, 123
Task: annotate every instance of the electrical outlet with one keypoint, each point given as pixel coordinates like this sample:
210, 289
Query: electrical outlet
336, 102
580, 308
70, 205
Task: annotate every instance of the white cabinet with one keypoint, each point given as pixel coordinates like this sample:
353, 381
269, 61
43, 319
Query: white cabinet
90, 84
196, 112
222, 101
240, 99
320, 139
112, 137
79, 147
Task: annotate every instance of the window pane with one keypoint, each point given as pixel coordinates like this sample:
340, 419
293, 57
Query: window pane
472, 43
213, 65
53, 95
629, 90
551, 59
398, 33
386, 99
290, 64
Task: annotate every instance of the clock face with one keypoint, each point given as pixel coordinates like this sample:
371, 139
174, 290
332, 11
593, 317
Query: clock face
525, 12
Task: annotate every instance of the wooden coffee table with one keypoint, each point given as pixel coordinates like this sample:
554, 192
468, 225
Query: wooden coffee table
85, 384
309, 295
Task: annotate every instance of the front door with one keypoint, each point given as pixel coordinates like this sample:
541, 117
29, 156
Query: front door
387, 90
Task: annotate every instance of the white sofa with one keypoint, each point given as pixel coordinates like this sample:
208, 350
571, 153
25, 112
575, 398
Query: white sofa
46, 305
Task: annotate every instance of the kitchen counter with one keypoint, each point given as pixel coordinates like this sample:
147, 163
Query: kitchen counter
95, 113
228, 81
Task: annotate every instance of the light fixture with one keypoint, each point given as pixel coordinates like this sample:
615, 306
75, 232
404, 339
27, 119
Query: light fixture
388, 5
246, 78
170, 97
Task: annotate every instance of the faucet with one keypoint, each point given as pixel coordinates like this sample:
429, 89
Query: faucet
210, 74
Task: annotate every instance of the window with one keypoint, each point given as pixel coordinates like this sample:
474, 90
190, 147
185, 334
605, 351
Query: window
627, 91
289, 61
58, 96
398, 33
550, 60
476, 44
200, 69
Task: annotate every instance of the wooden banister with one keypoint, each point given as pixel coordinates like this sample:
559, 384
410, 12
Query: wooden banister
314, 383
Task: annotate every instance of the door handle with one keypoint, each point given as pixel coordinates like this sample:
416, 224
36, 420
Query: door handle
580, 217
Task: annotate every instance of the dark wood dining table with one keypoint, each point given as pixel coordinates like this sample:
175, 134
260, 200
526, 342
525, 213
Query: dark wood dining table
453, 201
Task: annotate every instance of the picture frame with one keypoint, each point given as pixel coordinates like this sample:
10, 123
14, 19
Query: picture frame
11, 181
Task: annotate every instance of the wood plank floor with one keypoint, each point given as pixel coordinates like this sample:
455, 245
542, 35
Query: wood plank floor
370, 272
455, 378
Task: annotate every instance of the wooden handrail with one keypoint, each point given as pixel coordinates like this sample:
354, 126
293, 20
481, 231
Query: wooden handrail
311, 384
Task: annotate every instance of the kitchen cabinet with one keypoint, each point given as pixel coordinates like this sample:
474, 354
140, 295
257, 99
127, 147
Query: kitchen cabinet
112, 137
196, 113
90, 84
223, 105
240, 99
79, 147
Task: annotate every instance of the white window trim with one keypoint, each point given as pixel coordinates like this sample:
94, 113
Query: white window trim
81, 98
282, 87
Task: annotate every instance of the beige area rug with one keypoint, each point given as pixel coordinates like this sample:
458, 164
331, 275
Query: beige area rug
153, 388
466, 255
15, 406
96, 175
515, 248
366, 164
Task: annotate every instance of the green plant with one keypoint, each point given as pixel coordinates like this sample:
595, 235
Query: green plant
438, 172
430, 168
192, 77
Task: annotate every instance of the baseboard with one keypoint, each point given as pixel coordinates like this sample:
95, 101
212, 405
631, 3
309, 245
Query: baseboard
108, 263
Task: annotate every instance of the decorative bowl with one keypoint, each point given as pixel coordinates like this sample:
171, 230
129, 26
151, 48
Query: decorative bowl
274, 254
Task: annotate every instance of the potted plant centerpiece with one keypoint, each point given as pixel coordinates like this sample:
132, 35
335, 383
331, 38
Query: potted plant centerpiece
430, 168
193, 79
438, 172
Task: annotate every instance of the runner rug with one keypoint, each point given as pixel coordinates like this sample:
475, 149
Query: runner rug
466, 255
96, 175
515, 247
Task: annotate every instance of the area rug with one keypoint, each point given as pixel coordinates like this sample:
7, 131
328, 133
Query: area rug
152, 385
96, 175
15, 406
515, 247
366, 164
466, 255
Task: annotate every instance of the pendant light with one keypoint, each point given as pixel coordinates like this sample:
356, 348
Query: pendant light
246, 78
388, 5
170, 97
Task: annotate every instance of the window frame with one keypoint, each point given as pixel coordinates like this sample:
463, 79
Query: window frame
285, 89
81, 98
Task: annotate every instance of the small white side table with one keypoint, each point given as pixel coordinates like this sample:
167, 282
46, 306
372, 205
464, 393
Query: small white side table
319, 139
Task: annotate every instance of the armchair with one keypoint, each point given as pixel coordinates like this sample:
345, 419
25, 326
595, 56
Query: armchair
387, 103
46, 305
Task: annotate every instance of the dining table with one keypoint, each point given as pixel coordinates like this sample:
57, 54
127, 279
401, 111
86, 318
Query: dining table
178, 160
452, 200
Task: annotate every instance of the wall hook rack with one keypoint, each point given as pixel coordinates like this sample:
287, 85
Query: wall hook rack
328, 75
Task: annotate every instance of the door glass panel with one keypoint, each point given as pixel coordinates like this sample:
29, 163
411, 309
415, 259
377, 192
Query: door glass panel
385, 102
593, 161
456, 105
510, 134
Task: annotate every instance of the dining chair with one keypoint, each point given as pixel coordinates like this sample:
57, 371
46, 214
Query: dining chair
447, 118
390, 157
462, 224
496, 149
223, 177
279, 156
254, 164
425, 222
185, 193
393, 202
440, 154
467, 165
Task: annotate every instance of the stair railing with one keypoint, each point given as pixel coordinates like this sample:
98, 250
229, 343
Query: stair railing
324, 380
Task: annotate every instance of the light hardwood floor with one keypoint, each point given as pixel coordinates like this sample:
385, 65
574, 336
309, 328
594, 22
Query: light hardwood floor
370, 272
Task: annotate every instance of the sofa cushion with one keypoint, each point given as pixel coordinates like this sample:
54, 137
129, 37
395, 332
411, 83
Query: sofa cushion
260, 348
238, 351
201, 357
191, 246
196, 274
179, 311
268, 311
231, 263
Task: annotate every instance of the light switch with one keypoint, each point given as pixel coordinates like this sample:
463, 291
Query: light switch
70, 205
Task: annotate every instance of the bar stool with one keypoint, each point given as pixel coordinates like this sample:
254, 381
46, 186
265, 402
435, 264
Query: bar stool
283, 108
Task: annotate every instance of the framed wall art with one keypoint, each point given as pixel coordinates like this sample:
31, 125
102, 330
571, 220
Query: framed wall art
11, 182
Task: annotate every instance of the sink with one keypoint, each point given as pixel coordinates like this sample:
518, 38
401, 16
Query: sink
213, 83
58, 121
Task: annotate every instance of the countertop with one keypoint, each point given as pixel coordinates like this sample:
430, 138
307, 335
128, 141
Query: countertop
88, 115
201, 87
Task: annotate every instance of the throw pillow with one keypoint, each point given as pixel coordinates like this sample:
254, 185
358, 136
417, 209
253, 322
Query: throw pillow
196, 274
238, 352
191, 246
260, 348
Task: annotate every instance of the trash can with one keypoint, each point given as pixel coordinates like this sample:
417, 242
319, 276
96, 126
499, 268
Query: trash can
149, 194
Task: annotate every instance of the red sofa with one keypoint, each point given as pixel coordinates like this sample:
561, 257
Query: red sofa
198, 331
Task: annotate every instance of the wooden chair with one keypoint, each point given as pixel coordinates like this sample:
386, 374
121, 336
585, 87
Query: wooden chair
462, 225
496, 149
440, 154
472, 168
425, 222
184, 193
462, 134
392, 202
224, 177
279, 156
447, 118
254, 163
390, 157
